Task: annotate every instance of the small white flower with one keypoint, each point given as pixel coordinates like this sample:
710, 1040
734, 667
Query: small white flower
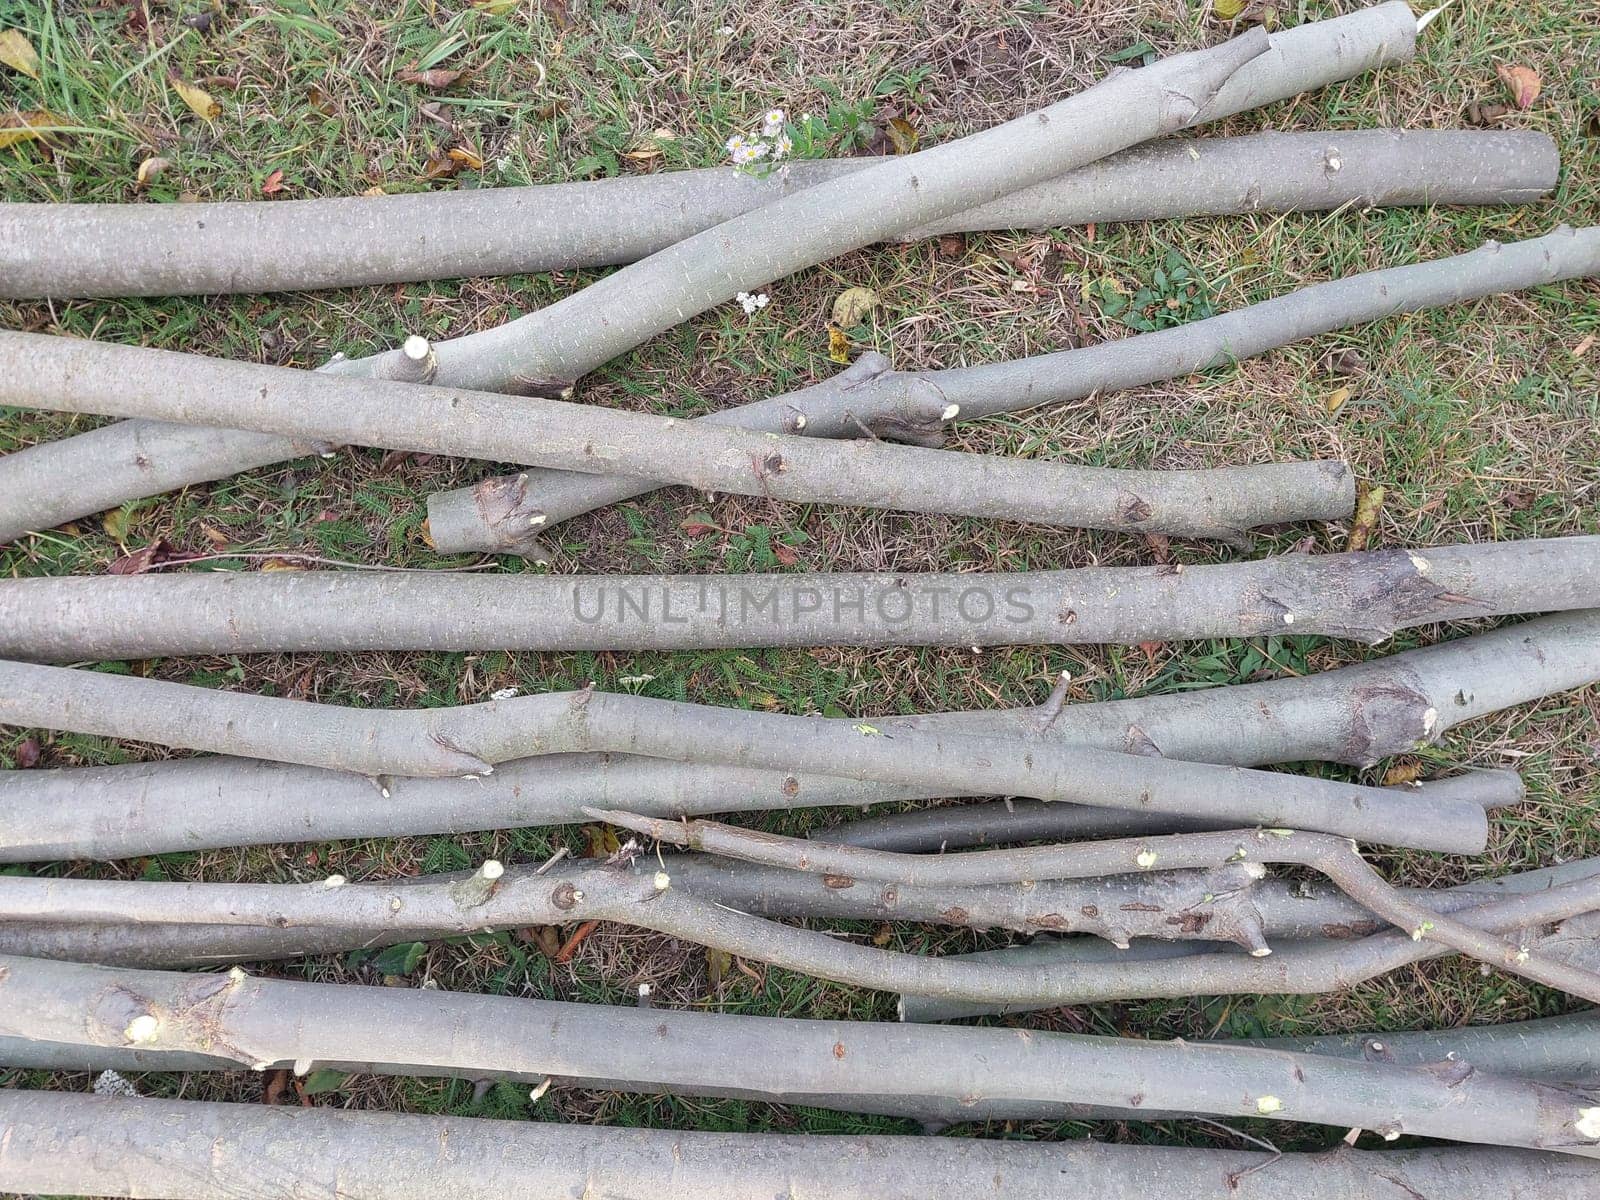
504, 693
634, 680
752, 304
734, 145
772, 122
503, 163
725, 31
783, 146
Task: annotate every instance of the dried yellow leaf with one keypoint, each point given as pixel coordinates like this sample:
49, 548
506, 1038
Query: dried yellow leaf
1227, 10
1402, 772
1335, 399
17, 52
852, 305
495, 8
197, 98
1368, 505
26, 126
902, 135
115, 523
1523, 83
467, 158
838, 345
149, 169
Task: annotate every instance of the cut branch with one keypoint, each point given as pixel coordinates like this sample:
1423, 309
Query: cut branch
197, 1150
544, 352
486, 516
1356, 715
1365, 596
70, 250
1337, 858
76, 919
264, 1023
73, 375
1006, 822
469, 740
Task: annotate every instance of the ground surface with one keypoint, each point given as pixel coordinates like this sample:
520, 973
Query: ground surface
1480, 421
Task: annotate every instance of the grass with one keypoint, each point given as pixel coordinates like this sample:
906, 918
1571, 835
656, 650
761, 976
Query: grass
1479, 420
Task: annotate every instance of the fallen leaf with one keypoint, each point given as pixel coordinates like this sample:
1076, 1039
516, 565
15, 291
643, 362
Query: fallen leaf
27, 754
318, 99
467, 158
1227, 10
495, 8
436, 78
1344, 362
324, 1079
375, 190
27, 126
197, 98
277, 1083
149, 170
716, 966
785, 554
1402, 772
1335, 399
273, 184
1151, 649
602, 839
1584, 346
838, 345
1523, 83
17, 52
115, 523
281, 564
852, 305
1368, 505
440, 166
952, 245
902, 135
699, 525
1486, 112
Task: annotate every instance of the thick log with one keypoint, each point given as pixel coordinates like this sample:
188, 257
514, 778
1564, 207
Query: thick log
266, 1023
494, 515
469, 740
73, 375
62, 251
57, 1144
1365, 596
1355, 715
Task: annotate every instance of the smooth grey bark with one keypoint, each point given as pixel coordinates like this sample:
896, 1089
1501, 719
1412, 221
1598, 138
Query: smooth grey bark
1171, 970
1187, 906
546, 350
470, 739
1004, 822
87, 918
1356, 715
1560, 1050
1365, 596
494, 515
62, 251
56, 1144
265, 1023
74, 375
1335, 857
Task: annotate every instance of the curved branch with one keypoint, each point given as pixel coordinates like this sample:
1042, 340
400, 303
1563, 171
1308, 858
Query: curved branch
1365, 596
206, 249
1355, 715
74, 375
1334, 857
199, 1150
484, 517
173, 931
469, 740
